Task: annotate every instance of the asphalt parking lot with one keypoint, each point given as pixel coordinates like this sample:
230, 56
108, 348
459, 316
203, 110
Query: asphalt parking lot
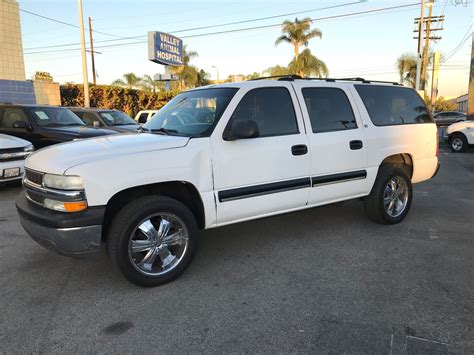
322, 280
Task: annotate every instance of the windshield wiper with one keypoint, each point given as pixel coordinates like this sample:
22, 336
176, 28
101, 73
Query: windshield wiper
162, 130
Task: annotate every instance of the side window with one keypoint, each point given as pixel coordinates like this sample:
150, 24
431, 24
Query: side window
393, 105
11, 115
329, 109
89, 119
271, 108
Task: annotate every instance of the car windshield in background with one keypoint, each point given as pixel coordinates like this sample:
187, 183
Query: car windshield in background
55, 117
117, 118
193, 113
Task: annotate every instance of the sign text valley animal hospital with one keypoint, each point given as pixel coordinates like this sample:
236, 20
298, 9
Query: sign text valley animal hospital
165, 49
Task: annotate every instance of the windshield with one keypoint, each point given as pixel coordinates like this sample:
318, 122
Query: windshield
54, 117
192, 114
117, 118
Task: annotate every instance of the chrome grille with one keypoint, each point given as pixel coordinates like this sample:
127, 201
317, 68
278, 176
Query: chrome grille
34, 176
35, 197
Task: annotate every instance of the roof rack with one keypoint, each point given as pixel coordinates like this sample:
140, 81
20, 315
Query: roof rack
292, 77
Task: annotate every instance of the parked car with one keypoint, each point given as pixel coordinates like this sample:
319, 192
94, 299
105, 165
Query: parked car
446, 118
13, 152
45, 125
110, 119
460, 136
142, 117
224, 154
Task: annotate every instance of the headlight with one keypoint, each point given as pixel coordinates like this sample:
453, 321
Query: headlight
29, 148
63, 182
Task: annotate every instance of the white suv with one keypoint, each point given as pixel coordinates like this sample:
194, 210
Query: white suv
224, 154
13, 152
460, 136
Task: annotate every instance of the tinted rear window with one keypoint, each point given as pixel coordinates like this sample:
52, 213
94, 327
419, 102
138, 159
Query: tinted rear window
393, 105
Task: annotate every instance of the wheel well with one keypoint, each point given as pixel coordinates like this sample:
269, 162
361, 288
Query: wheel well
181, 191
403, 159
457, 133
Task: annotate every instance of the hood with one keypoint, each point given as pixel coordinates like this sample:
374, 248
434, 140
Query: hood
58, 158
9, 142
80, 131
458, 126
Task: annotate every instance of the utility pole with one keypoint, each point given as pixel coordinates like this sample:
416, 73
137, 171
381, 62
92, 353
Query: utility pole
424, 67
470, 97
84, 58
92, 51
434, 80
420, 39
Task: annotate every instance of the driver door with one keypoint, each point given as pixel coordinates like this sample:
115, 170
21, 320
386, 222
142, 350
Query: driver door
267, 174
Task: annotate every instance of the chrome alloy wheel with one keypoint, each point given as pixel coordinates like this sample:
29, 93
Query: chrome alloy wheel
158, 244
457, 144
395, 196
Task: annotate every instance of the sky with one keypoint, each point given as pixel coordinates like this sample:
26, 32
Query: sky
364, 45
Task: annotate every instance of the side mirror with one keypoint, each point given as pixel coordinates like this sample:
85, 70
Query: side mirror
242, 130
22, 124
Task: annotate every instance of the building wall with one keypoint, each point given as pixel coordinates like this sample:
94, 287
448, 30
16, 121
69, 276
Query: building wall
47, 93
12, 66
461, 101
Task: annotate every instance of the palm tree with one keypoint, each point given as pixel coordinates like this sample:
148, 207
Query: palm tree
188, 74
130, 81
306, 64
149, 83
406, 66
254, 75
297, 33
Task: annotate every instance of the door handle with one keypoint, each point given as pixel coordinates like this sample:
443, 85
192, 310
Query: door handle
300, 149
355, 145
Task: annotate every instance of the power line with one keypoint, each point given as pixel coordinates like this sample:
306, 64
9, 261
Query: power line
456, 49
212, 26
250, 28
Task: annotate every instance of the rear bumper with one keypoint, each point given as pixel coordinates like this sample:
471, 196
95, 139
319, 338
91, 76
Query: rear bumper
64, 233
436, 171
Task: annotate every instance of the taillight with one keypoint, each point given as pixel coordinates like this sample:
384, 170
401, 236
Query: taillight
437, 141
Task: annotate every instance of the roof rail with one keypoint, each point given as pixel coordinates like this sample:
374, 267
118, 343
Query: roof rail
279, 77
291, 77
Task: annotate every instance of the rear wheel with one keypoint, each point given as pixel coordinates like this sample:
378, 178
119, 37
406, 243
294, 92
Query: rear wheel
391, 196
153, 240
458, 143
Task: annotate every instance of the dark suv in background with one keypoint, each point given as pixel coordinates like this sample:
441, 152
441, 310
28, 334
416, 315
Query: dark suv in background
45, 125
111, 119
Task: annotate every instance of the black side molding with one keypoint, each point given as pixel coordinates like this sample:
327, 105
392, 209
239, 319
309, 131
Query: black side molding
341, 177
264, 189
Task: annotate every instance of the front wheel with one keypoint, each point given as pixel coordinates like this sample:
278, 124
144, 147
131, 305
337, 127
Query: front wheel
391, 196
458, 143
153, 240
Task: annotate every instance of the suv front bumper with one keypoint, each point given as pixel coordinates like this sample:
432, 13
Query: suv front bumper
65, 233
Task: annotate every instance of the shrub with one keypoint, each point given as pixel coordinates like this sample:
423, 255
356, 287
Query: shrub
129, 101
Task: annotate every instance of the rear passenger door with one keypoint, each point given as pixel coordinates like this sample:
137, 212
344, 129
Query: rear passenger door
336, 139
8, 116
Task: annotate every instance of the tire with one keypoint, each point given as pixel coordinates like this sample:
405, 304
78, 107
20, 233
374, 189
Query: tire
458, 143
375, 204
167, 251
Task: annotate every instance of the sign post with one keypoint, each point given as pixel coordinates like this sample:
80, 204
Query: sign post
165, 49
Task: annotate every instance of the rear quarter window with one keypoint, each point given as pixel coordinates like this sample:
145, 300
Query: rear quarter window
393, 105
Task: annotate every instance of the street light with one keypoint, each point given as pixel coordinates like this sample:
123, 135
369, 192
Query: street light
217, 71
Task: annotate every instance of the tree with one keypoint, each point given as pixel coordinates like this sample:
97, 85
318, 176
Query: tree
298, 33
151, 84
406, 66
188, 74
276, 70
130, 81
254, 75
203, 78
306, 64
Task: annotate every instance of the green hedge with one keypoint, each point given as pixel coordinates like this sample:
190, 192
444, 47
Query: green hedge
114, 97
